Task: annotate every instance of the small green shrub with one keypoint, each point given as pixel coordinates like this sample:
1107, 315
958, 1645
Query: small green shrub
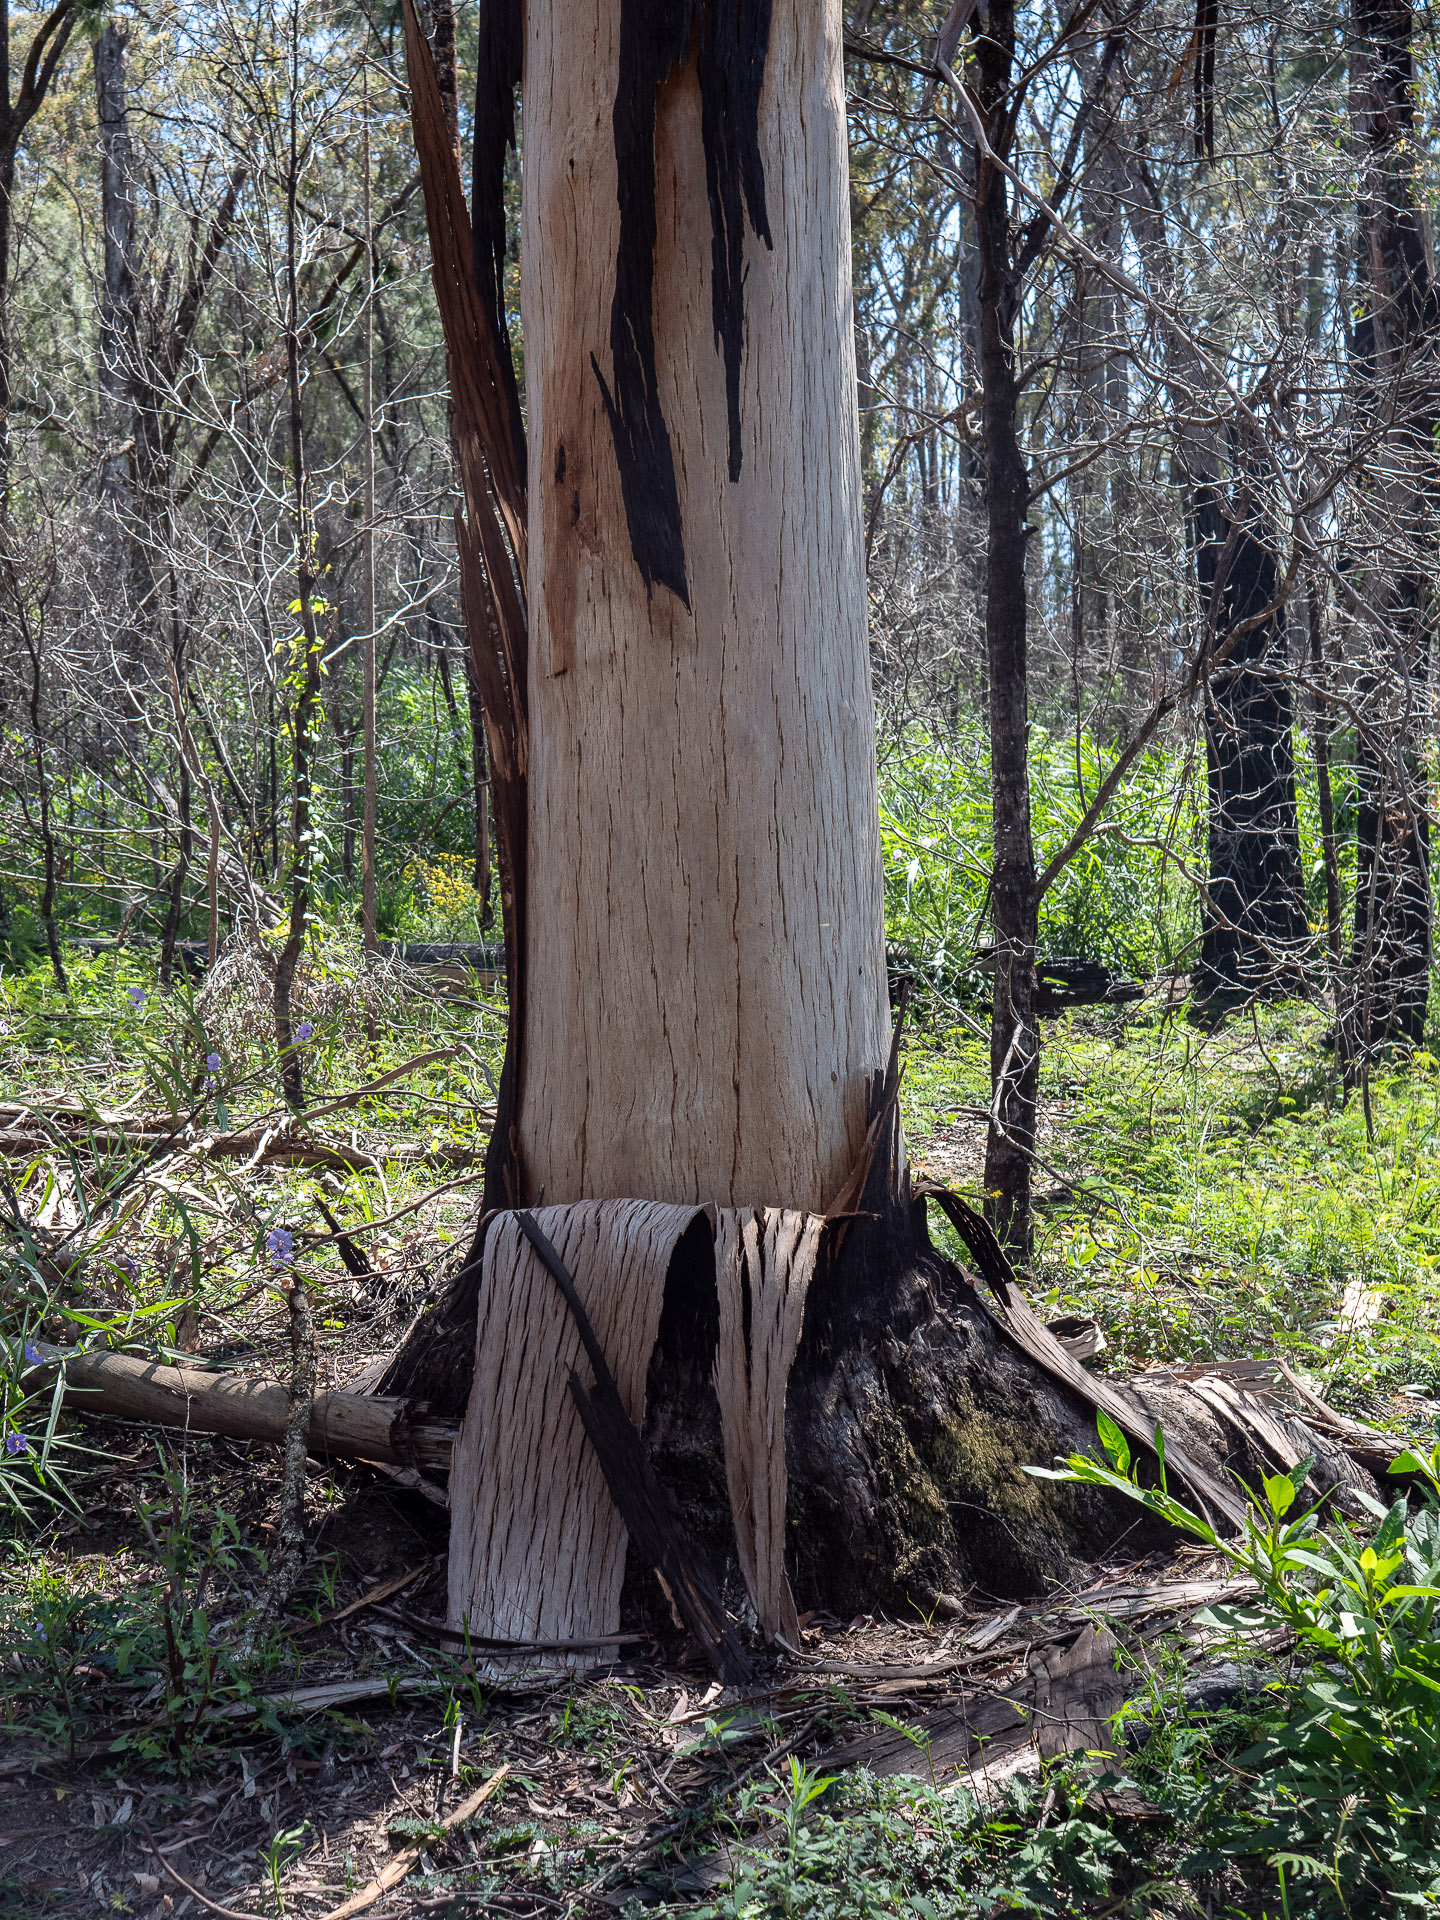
1337, 1795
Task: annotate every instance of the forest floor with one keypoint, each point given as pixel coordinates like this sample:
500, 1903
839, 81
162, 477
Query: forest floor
1203, 1195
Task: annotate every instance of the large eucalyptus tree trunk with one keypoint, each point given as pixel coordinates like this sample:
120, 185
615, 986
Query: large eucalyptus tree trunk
706, 991
700, 1082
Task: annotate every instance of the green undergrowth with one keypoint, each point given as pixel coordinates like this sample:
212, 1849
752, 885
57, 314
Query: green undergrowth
1123, 899
94, 1249
1210, 1194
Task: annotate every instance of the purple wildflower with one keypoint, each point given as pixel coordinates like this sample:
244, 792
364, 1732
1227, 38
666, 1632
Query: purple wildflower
17, 1443
303, 1032
32, 1354
280, 1244
136, 997
212, 1061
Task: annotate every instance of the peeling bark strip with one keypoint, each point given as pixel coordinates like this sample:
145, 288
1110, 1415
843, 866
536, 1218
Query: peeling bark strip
655, 37
651, 1515
764, 1263
491, 534
537, 1545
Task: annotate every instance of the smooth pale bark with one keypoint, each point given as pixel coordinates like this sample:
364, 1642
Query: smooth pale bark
706, 971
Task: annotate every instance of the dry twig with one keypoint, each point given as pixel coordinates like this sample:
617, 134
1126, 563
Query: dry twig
392, 1875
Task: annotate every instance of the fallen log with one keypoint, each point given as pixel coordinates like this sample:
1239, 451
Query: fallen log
350, 1426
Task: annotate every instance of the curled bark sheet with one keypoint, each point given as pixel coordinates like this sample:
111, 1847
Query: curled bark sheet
537, 1547
651, 1514
352, 1425
764, 1262
492, 539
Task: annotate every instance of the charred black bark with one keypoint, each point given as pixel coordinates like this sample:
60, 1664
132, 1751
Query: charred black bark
175, 904
1398, 380
1207, 24
117, 307
734, 41
1255, 933
1322, 724
908, 1425
1391, 957
500, 59
656, 36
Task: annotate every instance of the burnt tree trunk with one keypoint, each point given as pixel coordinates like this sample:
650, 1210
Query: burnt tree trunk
1397, 379
50, 33
117, 346
1254, 928
1255, 934
1014, 898
700, 1082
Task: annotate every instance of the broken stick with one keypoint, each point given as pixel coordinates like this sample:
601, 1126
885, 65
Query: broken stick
392, 1875
354, 1426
